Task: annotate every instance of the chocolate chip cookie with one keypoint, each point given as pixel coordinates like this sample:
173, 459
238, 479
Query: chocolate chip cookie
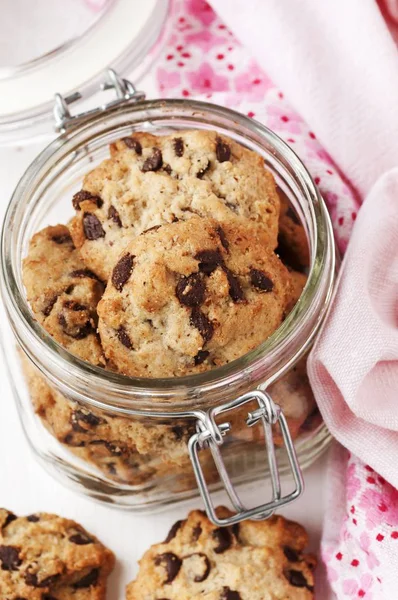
152, 180
255, 560
189, 296
63, 293
46, 557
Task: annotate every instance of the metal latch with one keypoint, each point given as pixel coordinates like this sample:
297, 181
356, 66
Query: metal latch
211, 435
125, 92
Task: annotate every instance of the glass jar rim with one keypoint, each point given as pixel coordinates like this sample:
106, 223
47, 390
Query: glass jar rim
26, 327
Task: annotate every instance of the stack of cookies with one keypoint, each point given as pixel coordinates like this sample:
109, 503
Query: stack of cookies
170, 267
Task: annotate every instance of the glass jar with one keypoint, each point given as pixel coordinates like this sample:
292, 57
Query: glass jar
132, 442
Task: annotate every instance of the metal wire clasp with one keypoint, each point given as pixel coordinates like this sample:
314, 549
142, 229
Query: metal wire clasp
125, 92
211, 435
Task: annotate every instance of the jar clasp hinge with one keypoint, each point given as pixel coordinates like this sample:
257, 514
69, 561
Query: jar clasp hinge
210, 434
125, 92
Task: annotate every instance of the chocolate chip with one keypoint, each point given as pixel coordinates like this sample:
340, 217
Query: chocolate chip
73, 305
223, 537
9, 519
223, 237
45, 597
223, 151
297, 579
235, 530
171, 563
202, 324
113, 449
74, 331
153, 162
178, 432
209, 260
153, 228
201, 357
9, 558
69, 289
32, 579
261, 281
62, 239
173, 531
232, 207
88, 418
50, 305
196, 532
114, 216
190, 290
80, 539
69, 440
228, 594
88, 580
124, 337
198, 566
291, 554
202, 171
84, 195
133, 144
33, 518
92, 227
235, 290
291, 213
178, 146
81, 273
167, 169
122, 271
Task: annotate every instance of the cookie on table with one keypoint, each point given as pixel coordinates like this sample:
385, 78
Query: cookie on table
292, 240
63, 293
46, 557
152, 180
254, 560
189, 296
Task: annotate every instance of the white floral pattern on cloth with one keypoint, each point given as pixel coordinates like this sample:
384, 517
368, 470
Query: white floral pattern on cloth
357, 555
203, 58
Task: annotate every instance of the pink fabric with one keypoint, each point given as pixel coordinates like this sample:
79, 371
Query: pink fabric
360, 542
336, 63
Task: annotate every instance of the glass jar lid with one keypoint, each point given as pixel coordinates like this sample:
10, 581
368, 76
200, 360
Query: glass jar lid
66, 51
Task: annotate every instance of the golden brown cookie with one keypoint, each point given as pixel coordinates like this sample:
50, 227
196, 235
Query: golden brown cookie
152, 180
255, 560
63, 293
189, 296
43, 556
